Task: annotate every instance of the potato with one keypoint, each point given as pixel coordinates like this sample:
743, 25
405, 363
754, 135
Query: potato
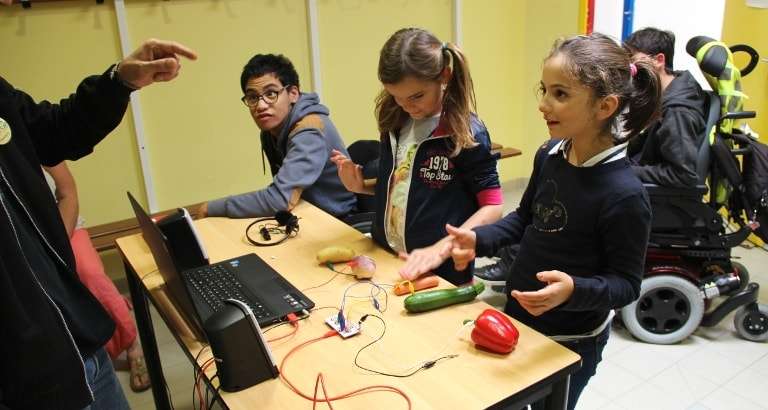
335, 254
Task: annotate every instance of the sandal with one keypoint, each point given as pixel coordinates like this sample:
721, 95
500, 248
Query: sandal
138, 373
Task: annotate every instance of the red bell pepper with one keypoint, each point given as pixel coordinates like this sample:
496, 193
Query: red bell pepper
495, 332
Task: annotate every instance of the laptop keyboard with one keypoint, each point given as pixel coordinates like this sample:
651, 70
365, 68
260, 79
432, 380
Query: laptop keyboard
215, 283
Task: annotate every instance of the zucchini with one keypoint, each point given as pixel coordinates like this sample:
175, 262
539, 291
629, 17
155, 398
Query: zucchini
435, 299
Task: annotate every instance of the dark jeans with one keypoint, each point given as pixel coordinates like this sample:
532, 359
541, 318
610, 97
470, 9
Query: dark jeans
591, 352
107, 393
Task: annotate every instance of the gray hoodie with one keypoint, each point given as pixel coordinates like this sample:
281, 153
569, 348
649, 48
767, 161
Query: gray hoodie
299, 159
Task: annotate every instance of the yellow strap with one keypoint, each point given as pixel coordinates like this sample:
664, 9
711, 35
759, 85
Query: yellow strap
410, 285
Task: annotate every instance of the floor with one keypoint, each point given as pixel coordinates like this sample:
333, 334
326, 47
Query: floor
713, 369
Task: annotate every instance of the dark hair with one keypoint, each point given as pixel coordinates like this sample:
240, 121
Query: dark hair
602, 65
418, 53
262, 64
653, 41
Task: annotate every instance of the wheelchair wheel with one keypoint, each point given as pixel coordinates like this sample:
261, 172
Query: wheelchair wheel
752, 324
668, 310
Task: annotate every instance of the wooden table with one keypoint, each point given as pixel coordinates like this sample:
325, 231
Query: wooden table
538, 367
504, 152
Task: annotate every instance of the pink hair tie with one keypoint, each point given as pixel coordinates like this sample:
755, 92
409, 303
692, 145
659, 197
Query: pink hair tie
632, 69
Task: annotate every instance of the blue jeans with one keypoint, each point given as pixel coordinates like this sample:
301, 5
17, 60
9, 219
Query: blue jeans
591, 352
107, 393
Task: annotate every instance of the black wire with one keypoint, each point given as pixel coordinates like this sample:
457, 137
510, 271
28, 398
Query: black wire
330, 266
426, 365
215, 392
372, 296
194, 376
285, 323
271, 228
170, 398
207, 391
205, 398
301, 318
333, 268
322, 284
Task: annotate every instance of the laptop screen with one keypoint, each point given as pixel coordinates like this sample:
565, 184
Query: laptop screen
173, 282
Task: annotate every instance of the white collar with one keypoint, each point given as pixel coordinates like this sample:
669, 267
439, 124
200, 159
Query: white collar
612, 154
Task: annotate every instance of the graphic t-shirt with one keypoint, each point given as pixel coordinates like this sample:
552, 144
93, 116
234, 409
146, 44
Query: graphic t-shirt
413, 133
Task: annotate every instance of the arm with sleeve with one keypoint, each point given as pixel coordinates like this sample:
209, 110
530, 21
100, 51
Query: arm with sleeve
678, 138
478, 169
624, 229
305, 158
510, 229
70, 129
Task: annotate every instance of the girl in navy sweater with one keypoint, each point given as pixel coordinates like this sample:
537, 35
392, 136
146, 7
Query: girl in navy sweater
435, 165
584, 219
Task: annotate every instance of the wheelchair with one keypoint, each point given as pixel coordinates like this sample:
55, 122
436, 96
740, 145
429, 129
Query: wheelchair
688, 261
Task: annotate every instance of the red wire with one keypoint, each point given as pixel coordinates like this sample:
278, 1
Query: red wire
320, 380
205, 366
295, 329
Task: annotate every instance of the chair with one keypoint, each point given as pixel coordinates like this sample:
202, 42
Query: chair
365, 153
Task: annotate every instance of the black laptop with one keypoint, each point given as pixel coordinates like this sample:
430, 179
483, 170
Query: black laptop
199, 292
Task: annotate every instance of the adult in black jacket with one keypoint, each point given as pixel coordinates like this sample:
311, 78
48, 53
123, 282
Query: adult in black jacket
52, 328
666, 152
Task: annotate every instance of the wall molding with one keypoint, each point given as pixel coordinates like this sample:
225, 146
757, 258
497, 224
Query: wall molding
457, 20
138, 119
314, 46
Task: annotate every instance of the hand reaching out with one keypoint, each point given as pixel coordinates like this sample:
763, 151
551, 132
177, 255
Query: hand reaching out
351, 174
463, 249
559, 289
155, 60
424, 260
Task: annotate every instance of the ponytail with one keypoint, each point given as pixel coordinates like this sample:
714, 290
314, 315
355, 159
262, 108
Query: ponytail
643, 104
458, 100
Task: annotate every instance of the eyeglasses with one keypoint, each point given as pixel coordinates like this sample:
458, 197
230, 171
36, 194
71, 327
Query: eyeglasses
270, 97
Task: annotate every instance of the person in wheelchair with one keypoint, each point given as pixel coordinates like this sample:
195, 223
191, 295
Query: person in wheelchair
297, 136
689, 262
666, 151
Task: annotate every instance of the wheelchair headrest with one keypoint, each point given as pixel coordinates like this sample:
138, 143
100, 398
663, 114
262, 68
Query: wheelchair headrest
716, 62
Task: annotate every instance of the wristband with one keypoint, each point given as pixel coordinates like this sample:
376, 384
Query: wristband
115, 76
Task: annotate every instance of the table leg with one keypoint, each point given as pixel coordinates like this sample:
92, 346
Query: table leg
558, 399
148, 340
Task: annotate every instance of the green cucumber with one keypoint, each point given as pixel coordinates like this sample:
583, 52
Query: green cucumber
435, 299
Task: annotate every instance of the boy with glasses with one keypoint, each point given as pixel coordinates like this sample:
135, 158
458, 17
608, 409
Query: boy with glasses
297, 137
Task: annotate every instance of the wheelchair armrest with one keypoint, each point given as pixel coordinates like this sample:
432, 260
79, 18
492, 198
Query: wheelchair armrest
738, 115
667, 191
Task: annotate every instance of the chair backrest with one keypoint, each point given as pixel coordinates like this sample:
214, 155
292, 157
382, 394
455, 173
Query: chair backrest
366, 154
